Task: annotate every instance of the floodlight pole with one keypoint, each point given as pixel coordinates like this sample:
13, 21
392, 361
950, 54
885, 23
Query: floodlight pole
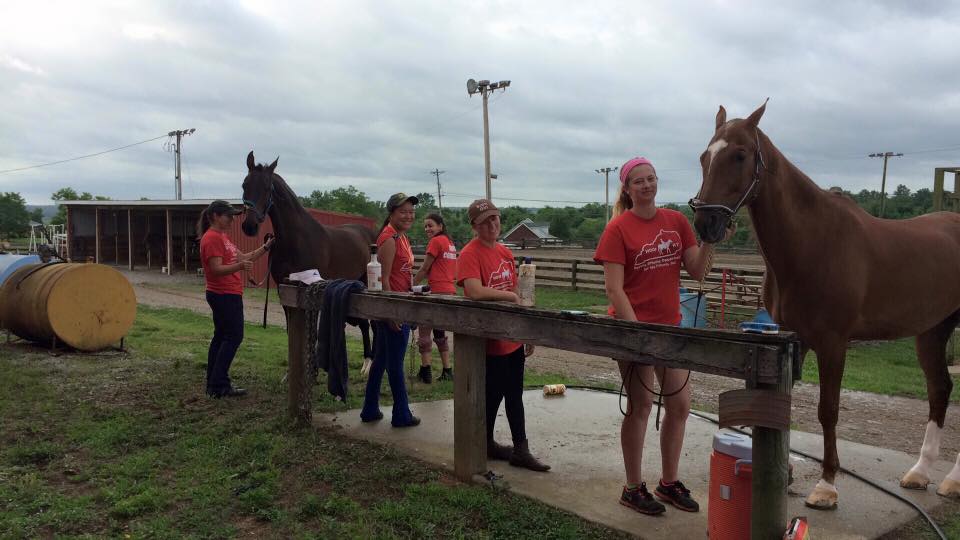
437, 173
179, 134
485, 88
606, 172
883, 182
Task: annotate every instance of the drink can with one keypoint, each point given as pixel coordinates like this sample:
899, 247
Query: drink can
554, 389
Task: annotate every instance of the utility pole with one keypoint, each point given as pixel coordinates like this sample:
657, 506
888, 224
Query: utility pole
485, 88
179, 134
883, 183
437, 173
606, 172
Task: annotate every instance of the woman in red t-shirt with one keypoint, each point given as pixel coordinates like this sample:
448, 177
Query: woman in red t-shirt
439, 267
487, 272
222, 262
642, 250
390, 337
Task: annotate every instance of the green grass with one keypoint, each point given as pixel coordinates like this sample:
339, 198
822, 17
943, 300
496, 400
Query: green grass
122, 445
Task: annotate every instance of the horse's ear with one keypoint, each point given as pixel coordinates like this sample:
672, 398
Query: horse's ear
273, 165
721, 117
251, 163
754, 118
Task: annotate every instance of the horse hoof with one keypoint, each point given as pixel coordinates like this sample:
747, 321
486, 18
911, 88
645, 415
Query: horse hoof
949, 488
914, 480
823, 497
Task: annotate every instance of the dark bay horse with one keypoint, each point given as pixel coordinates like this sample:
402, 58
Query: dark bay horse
836, 273
301, 242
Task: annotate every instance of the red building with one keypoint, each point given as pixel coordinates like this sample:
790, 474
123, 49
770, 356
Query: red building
161, 234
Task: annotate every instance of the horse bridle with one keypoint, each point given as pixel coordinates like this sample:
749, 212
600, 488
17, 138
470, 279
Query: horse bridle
252, 205
696, 204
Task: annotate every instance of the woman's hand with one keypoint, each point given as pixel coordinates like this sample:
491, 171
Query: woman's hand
393, 325
269, 242
528, 349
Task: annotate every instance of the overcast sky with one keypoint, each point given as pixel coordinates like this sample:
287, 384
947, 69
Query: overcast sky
372, 94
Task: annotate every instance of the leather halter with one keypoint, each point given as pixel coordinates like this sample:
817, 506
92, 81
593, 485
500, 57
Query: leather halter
696, 204
252, 205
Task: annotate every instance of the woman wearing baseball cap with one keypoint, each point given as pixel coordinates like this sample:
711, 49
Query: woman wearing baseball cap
390, 337
222, 263
642, 250
486, 271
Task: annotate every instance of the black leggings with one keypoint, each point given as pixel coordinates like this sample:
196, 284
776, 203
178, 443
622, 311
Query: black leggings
505, 383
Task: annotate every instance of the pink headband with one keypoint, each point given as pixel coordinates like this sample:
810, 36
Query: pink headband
629, 165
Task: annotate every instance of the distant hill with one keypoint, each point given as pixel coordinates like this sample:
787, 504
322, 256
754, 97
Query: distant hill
49, 210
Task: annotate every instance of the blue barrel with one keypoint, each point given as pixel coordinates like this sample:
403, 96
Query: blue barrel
9, 264
693, 310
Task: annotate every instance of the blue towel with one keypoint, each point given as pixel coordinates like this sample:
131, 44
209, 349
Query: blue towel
331, 343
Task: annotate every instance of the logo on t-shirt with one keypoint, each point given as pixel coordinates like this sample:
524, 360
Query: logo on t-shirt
663, 251
231, 249
502, 277
451, 252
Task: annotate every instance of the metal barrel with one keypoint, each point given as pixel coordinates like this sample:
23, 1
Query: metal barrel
86, 306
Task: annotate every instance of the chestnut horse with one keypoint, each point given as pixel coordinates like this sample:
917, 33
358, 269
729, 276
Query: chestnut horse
836, 273
301, 242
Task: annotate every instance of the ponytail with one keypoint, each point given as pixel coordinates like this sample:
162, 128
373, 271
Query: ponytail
623, 203
203, 223
386, 221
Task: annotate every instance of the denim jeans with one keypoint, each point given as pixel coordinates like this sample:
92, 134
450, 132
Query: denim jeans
389, 350
227, 336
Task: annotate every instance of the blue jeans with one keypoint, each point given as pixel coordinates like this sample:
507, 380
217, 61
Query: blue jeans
227, 336
389, 350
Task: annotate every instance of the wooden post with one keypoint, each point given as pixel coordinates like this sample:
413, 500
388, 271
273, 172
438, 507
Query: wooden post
938, 189
96, 240
298, 387
469, 407
116, 239
573, 274
129, 239
147, 243
771, 459
183, 221
69, 232
169, 243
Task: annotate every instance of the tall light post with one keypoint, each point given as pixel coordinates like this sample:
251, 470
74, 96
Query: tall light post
179, 134
883, 182
606, 172
485, 88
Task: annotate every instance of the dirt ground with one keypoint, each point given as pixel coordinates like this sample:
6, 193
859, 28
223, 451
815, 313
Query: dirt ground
889, 422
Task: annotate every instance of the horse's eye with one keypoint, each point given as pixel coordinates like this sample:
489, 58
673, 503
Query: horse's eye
741, 155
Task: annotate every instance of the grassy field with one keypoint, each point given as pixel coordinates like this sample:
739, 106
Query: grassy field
126, 445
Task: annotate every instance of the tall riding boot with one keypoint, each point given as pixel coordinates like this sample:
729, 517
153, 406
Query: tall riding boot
522, 458
498, 451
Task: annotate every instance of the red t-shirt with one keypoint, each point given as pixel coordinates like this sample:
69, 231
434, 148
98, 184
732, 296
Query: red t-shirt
494, 267
217, 244
651, 252
401, 273
444, 265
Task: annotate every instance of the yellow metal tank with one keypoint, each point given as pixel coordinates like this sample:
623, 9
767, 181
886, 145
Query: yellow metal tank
86, 306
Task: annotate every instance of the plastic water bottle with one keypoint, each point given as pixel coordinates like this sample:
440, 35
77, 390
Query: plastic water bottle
527, 282
374, 271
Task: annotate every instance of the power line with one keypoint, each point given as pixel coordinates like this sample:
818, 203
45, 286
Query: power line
80, 157
522, 200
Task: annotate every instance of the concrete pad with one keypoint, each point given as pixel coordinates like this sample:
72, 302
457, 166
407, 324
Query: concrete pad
578, 434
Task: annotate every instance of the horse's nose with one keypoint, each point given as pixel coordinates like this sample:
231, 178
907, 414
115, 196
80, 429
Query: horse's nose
709, 225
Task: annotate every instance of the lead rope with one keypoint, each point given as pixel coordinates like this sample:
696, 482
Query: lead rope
660, 395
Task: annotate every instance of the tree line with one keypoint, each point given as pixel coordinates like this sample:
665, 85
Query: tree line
574, 225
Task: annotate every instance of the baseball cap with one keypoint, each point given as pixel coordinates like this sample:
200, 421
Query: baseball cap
480, 210
398, 199
223, 207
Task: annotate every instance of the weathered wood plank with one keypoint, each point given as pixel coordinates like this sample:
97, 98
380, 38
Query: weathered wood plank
754, 407
469, 407
771, 461
719, 352
298, 387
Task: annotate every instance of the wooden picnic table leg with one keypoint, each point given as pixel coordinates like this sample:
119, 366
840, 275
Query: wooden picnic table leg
298, 387
469, 407
771, 460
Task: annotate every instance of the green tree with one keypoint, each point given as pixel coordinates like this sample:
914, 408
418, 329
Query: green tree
348, 200
70, 194
36, 215
14, 218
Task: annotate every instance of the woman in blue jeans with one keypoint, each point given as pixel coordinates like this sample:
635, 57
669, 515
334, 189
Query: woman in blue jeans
390, 344
222, 263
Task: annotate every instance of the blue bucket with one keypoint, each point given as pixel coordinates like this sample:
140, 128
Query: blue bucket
693, 315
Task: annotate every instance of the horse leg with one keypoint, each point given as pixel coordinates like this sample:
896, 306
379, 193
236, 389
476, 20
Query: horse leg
830, 362
931, 352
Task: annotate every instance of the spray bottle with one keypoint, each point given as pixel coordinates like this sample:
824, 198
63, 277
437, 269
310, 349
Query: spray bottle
527, 282
374, 271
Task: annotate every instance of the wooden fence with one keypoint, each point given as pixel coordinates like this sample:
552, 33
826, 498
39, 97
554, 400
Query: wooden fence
768, 364
733, 291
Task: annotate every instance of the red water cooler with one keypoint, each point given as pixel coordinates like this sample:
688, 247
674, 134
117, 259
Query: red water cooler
731, 477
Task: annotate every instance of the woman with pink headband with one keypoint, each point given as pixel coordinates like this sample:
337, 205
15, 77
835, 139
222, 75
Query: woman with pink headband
642, 250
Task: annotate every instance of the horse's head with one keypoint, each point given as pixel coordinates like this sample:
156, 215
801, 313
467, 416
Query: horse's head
257, 194
732, 164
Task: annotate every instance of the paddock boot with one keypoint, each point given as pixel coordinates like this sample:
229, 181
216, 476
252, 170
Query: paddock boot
522, 457
498, 451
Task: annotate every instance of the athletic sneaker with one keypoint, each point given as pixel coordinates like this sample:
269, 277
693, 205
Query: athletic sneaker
678, 495
640, 500
425, 375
